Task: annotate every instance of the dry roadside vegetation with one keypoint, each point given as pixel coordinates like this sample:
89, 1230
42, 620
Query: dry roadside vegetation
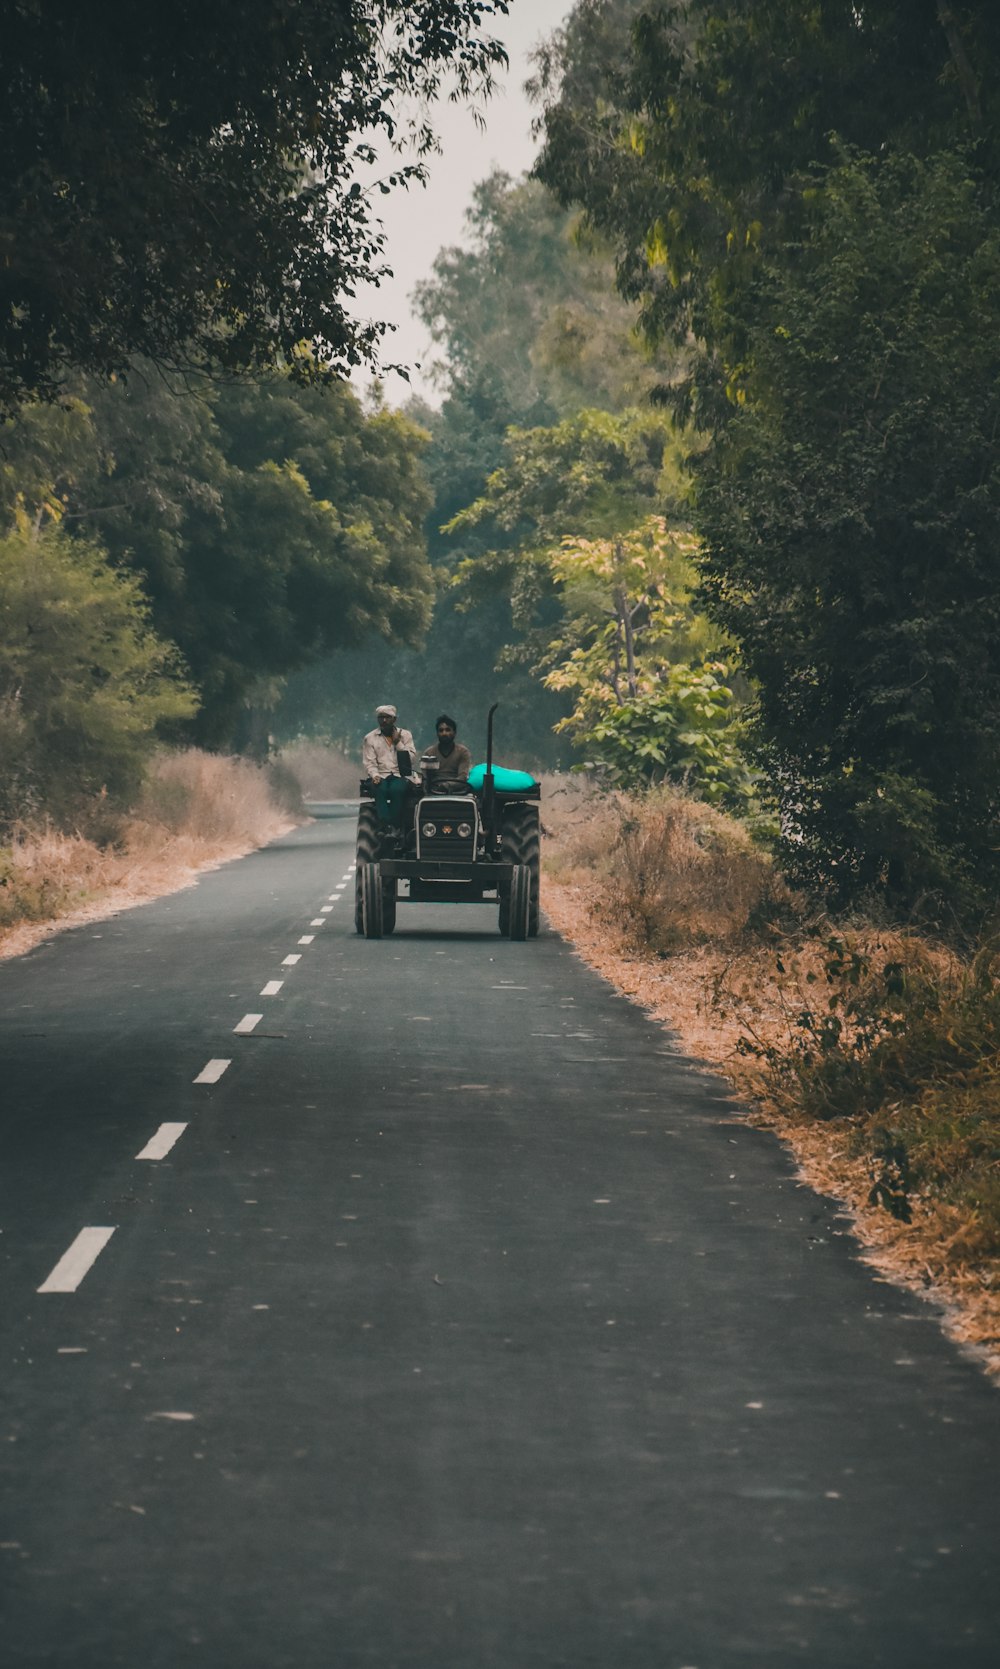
195, 810
873, 1052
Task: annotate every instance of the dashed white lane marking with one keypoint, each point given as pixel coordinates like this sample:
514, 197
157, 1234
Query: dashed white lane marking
318, 921
212, 1072
341, 885
272, 988
306, 939
245, 1026
159, 1145
290, 961
74, 1263
325, 909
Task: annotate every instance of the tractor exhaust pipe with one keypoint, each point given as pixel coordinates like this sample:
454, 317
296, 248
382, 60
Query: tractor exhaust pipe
488, 798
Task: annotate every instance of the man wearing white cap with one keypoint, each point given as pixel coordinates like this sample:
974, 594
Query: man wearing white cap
388, 756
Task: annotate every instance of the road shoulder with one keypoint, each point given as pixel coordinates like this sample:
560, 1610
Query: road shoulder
677, 994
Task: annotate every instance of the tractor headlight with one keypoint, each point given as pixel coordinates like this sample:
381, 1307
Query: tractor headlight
465, 829
428, 829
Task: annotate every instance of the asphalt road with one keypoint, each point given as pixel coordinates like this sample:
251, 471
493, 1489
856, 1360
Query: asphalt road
462, 1325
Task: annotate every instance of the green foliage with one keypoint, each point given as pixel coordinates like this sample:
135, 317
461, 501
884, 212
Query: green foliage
317, 543
269, 523
591, 476
850, 514
624, 650
682, 732
183, 183
806, 196
531, 331
601, 600
588, 474
688, 136
527, 314
85, 683
627, 613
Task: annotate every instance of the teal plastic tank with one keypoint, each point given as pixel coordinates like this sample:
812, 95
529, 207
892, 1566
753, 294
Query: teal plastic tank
508, 782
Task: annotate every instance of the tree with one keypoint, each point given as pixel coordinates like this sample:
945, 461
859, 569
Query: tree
269, 523
649, 701
181, 182
626, 602
690, 149
806, 196
600, 596
592, 475
526, 312
310, 554
850, 510
85, 684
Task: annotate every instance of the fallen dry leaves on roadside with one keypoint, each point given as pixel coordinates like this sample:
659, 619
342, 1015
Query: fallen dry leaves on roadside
678, 993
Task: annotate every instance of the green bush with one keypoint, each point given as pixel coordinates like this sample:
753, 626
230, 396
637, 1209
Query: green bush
84, 681
683, 732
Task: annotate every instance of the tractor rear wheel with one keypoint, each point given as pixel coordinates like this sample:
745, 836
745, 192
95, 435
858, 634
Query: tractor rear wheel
519, 843
519, 903
371, 901
366, 847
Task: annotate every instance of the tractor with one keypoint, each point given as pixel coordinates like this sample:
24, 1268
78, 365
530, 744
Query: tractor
468, 842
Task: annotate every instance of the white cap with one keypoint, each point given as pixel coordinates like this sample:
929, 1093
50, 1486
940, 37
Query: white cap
386, 707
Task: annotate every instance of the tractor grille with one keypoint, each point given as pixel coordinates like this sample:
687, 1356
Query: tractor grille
438, 822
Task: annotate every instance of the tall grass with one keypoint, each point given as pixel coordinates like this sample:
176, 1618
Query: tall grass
194, 809
674, 872
211, 799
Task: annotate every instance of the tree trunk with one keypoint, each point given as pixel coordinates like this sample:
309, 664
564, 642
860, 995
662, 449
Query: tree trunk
966, 76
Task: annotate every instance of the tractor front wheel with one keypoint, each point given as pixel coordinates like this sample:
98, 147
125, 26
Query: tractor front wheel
371, 901
365, 850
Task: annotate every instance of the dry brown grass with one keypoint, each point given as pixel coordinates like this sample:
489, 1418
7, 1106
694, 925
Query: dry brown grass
197, 810
674, 872
712, 977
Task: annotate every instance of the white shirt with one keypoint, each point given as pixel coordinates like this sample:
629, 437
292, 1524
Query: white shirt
378, 754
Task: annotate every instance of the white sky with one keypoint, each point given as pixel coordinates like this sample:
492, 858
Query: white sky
421, 221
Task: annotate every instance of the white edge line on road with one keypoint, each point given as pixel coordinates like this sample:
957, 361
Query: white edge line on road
243, 1027
290, 961
212, 1072
76, 1260
272, 987
306, 939
159, 1145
